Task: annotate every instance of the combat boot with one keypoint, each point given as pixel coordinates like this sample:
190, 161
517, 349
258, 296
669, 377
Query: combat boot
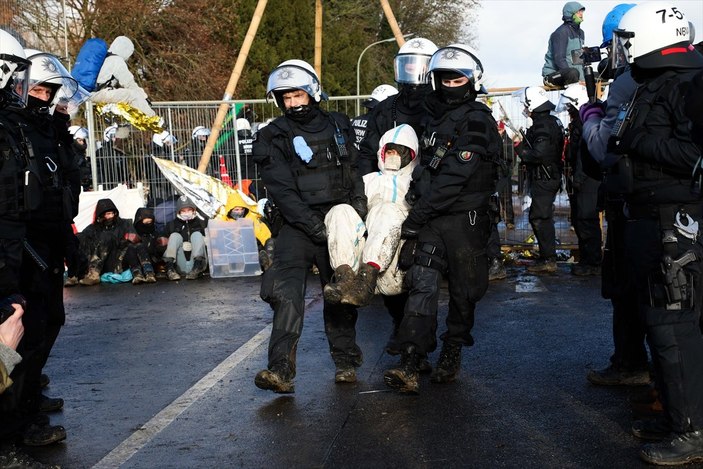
71, 282
680, 448
343, 277
448, 364
363, 288
171, 271
405, 378
547, 266
137, 276
149, 274
278, 379
345, 373
91, 278
42, 434
199, 266
496, 271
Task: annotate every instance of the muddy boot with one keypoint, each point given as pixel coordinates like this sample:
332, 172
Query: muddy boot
496, 270
266, 255
345, 373
278, 379
343, 277
547, 266
448, 364
405, 378
171, 271
149, 274
137, 276
91, 278
71, 282
362, 290
199, 266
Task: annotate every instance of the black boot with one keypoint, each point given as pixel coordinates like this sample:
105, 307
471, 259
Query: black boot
343, 277
681, 448
199, 266
405, 378
448, 364
171, 271
278, 379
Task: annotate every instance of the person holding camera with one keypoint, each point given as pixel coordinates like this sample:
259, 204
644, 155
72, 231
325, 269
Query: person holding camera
559, 68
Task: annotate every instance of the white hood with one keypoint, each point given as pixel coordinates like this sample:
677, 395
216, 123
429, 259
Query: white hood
401, 135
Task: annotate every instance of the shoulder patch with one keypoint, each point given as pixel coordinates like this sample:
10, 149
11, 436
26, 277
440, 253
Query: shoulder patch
465, 156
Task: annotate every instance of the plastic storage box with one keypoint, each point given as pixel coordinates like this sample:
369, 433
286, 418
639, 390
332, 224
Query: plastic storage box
231, 248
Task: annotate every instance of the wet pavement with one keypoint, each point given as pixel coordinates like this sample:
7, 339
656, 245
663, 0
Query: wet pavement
161, 376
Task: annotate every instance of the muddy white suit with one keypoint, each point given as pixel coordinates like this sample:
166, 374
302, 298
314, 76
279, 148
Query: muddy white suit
385, 191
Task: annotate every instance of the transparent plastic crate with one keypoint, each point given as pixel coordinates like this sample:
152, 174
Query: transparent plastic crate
232, 249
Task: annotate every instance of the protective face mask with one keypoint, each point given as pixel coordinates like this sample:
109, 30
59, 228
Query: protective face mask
186, 216
392, 162
577, 19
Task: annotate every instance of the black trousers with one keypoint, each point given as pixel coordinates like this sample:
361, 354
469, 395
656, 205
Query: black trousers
586, 221
674, 336
284, 285
630, 352
543, 193
462, 238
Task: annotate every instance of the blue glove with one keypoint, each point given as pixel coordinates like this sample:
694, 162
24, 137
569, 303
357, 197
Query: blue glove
592, 111
302, 149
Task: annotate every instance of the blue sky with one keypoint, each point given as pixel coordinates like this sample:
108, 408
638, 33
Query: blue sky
513, 35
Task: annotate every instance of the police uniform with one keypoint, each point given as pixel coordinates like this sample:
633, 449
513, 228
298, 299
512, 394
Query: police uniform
542, 156
304, 192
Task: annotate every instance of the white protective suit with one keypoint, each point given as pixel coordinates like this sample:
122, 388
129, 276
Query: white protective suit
116, 83
385, 191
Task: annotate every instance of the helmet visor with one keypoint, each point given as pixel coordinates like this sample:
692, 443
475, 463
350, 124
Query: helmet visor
47, 70
291, 77
564, 102
411, 69
621, 54
15, 78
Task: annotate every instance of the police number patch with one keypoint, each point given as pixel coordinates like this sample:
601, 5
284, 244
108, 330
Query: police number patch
465, 156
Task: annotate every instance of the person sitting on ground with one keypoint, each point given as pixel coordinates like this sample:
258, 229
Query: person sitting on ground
185, 253
116, 84
151, 246
109, 245
365, 266
238, 206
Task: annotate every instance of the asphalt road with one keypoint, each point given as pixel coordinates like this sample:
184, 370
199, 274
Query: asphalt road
161, 376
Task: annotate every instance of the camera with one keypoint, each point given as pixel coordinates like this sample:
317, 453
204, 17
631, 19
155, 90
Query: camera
6, 309
586, 55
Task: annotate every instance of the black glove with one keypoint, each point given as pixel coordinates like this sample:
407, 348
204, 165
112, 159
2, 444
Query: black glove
359, 206
406, 258
629, 140
318, 234
407, 232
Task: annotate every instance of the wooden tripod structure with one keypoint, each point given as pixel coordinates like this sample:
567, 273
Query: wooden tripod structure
244, 52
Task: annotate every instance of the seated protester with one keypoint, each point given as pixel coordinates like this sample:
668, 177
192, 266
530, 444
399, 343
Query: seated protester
365, 267
108, 244
239, 205
185, 253
150, 248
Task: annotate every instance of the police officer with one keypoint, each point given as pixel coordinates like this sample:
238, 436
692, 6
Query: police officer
50, 143
406, 107
628, 363
541, 153
451, 221
308, 164
663, 206
360, 122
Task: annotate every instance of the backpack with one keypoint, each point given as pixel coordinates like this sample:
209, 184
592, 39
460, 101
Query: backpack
88, 63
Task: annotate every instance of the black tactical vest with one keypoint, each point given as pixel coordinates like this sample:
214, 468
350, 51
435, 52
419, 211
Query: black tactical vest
20, 185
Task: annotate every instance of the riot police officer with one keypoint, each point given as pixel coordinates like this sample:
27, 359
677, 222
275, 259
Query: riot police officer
663, 205
450, 219
308, 164
360, 123
541, 153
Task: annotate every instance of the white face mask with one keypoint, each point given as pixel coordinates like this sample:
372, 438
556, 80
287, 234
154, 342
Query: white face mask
392, 162
186, 216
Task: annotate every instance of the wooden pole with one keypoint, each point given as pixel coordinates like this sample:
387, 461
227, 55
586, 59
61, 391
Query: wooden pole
393, 23
318, 39
231, 85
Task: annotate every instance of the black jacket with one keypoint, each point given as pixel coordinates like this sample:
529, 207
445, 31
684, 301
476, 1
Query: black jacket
545, 141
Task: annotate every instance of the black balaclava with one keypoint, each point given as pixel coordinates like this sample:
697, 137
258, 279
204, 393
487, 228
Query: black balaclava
453, 94
301, 114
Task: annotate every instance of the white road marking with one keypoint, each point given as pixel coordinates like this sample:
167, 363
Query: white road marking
163, 419
529, 284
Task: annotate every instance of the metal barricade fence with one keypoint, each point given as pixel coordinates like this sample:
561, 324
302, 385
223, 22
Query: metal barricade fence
125, 158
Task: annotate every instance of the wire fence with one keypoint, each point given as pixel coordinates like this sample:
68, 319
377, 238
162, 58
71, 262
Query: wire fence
119, 154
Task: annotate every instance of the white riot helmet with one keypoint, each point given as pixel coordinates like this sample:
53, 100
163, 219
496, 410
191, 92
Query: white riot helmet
242, 124
110, 133
575, 94
164, 138
14, 71
81, 133
47, 70
200, 131
533, 98
380, 93
458, 59
293, 75
411, 62
655, 35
